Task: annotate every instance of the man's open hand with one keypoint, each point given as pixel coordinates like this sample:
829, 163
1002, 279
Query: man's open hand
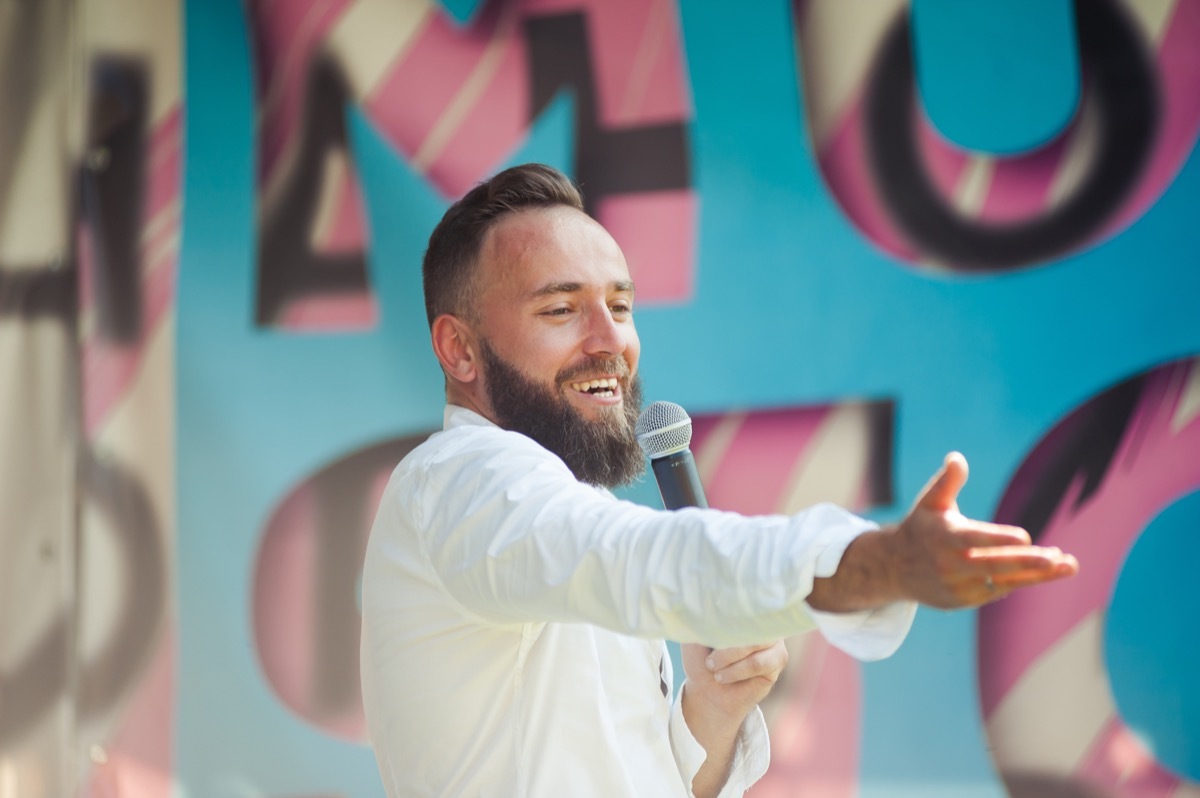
947, 560
938, 556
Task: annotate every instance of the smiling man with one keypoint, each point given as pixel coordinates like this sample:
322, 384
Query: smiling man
559, 301
514, 611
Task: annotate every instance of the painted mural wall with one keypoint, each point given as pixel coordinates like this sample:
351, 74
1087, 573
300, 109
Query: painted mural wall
864, 233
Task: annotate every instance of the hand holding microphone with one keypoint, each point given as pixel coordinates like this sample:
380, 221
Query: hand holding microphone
723, 685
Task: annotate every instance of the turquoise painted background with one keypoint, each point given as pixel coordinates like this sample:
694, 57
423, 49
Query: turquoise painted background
793, 306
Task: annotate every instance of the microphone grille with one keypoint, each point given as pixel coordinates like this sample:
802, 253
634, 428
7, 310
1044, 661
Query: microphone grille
663, 428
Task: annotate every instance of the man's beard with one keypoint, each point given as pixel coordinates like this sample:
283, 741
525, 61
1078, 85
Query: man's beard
601, 452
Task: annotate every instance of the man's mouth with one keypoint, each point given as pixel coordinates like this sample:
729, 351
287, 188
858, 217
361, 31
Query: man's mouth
602, 387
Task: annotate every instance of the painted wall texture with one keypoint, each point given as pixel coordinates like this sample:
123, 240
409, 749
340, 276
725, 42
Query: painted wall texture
864, 233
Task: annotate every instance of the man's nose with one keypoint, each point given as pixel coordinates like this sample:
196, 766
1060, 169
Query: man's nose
605, 334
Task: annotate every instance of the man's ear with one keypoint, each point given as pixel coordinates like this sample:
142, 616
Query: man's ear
454, 344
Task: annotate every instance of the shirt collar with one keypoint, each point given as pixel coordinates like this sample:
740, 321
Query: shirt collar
459, 416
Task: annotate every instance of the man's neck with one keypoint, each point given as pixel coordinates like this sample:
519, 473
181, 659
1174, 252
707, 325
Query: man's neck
456, 395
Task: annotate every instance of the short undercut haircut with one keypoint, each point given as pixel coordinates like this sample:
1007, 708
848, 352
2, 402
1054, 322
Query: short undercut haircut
448, 270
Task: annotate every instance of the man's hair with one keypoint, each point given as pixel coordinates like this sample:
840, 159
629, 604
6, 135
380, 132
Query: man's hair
449, 267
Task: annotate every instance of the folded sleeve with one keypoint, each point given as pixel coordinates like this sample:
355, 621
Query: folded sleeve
751, 756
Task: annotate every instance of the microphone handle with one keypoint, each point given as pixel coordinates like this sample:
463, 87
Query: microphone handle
678, 481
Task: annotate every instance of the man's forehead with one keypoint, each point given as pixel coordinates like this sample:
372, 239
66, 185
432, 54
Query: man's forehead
552, 249
517, 232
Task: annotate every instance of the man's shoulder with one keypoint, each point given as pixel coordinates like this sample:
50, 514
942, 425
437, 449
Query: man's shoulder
473, 460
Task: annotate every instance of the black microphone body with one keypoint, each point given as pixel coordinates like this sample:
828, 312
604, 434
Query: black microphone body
664, 431
678, 482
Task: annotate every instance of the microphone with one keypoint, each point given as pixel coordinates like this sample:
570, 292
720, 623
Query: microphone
664, 431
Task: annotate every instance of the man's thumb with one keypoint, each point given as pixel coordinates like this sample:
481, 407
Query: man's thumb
941, 493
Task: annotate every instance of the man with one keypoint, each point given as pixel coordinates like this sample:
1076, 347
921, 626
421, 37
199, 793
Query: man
514, 610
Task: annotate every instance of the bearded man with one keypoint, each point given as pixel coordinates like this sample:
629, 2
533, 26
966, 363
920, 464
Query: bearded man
514, 610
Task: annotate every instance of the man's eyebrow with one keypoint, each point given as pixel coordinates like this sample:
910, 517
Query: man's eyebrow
550, 289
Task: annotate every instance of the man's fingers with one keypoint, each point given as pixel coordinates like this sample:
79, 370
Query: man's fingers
724, 657
941, 493
1009, 568
999, 559
1019, 579
765, 662
983, 534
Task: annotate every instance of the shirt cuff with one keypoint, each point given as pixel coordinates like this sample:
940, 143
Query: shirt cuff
870, 634
751, 754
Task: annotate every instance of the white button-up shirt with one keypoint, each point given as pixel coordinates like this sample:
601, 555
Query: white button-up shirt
513, 621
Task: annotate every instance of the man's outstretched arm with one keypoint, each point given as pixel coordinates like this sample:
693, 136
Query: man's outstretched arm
935, 556
939, 557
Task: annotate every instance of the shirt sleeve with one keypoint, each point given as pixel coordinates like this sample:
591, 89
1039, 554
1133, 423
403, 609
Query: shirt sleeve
751, 756
514, 537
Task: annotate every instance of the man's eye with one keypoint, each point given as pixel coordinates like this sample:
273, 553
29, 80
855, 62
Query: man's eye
621, 307
556, 312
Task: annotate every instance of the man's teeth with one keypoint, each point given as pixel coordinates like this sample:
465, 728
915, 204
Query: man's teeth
604, 387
